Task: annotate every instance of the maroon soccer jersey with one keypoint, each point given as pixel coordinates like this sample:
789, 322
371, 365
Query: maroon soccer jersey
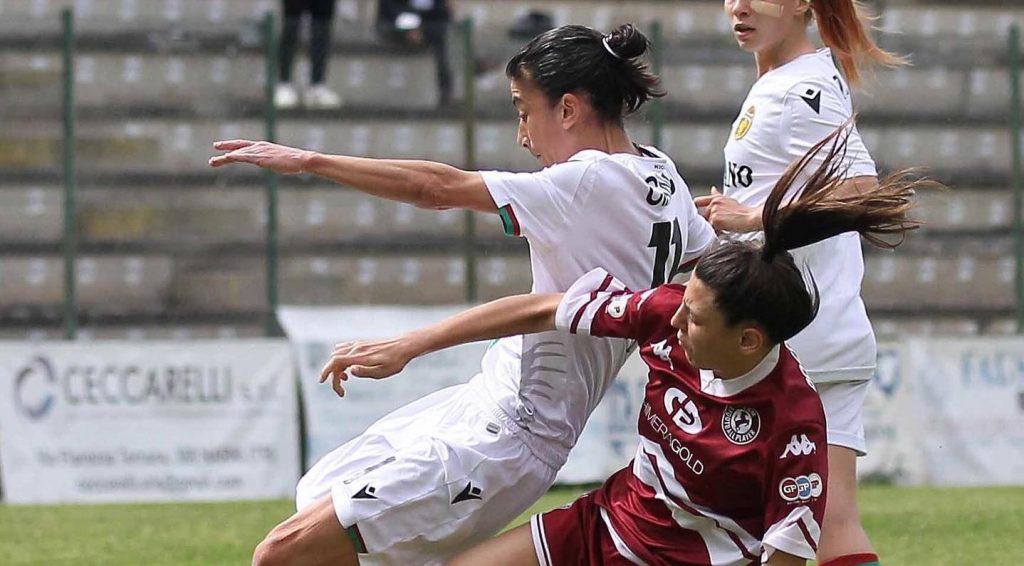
727, 471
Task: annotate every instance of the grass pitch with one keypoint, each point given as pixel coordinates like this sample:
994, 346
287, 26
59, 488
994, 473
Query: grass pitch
909, 527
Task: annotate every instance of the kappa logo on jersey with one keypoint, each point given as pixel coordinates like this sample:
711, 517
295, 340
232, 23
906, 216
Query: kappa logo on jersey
660, 189
801, 488
744, 123
741, 424
812, 97
663, 351
683, 410
367, 492
799, 446
617, 307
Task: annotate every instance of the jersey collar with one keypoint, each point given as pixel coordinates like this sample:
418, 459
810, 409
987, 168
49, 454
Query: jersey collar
732, 387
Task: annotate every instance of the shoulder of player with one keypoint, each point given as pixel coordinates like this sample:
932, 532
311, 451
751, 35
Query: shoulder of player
663, 299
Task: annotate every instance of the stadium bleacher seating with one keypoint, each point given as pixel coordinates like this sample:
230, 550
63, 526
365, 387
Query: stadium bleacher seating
169, 248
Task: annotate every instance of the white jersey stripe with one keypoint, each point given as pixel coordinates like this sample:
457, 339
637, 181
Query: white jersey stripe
795, 534
540, 540
620, 544
726, 541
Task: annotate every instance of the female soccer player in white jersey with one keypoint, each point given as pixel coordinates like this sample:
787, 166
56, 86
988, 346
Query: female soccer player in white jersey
800, 96
453, 468
731, 467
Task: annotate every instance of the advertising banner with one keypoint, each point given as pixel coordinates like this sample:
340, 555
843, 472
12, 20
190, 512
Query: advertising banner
147, 421
969, 409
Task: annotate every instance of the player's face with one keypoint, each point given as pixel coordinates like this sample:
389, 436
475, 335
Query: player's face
708, 342
540, 128
761, 25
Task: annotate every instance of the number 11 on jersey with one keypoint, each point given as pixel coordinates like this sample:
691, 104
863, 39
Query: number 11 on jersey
664, 236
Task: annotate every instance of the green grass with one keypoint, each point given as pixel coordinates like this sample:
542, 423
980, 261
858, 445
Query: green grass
909, 526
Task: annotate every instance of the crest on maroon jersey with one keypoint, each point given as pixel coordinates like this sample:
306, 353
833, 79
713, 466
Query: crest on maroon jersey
741, 424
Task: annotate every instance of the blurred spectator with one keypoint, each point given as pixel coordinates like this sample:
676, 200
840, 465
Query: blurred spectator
530, 25
318, 95
418, 22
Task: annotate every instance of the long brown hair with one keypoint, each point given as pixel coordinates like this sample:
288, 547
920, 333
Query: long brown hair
842, 26
818, 213
762, 283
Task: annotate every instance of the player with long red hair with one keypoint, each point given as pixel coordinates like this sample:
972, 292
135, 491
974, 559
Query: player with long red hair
800, 97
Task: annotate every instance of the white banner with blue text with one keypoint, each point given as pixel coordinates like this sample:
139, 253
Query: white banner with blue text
94, 422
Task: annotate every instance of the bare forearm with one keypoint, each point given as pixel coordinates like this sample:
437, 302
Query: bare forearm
425, 184
508, 316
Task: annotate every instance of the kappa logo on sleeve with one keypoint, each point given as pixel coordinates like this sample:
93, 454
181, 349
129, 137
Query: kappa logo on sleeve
799, 446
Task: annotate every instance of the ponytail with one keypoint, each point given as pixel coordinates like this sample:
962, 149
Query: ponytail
817, 213
762, 283
841, 24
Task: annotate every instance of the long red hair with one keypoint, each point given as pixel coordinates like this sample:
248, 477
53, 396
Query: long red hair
842, 25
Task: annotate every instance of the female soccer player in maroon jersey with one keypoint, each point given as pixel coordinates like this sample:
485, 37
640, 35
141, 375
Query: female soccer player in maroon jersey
800, 96
729, 468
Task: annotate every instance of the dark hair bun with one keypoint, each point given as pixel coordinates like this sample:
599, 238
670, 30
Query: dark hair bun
628, 42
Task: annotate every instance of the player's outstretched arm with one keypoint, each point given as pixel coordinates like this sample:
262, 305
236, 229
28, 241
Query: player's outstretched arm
378, 359
425, 184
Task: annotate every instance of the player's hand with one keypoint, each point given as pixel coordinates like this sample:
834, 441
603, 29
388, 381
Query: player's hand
278, 158
726, 214
377, 359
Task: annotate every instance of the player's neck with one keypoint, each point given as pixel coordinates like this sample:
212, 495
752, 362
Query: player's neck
778, 55
740, 365
609, 138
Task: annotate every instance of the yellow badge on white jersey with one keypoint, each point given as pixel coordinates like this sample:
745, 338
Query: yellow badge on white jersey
744, 123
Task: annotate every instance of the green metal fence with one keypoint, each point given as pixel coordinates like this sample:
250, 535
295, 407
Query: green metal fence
1016, 182
469, 249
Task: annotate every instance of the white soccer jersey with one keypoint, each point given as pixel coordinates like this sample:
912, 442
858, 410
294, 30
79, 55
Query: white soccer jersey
789, 110
631, 215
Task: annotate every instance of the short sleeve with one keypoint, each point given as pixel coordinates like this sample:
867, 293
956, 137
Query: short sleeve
795, 491
812, 110
536, 205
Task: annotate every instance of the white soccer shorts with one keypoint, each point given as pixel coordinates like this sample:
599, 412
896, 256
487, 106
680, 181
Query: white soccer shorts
429, 480
843, 402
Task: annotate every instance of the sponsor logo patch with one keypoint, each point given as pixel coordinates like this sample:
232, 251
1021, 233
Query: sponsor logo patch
683, 411
741, 424
744, 123
617, 307
800, 488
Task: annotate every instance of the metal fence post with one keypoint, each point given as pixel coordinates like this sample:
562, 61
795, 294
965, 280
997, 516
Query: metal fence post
1016, 183
270, 327
70, 236
469, 126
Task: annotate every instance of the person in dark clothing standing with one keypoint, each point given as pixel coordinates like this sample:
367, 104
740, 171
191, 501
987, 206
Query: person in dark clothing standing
318, 95
419, 22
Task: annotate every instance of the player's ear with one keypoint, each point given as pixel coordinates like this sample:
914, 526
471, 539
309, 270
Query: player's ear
569, 108
752, 340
